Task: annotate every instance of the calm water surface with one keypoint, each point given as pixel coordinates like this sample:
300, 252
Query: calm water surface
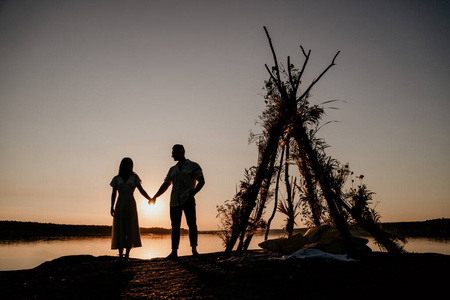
26, 255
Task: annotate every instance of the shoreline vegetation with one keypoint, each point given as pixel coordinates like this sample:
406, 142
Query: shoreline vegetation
15, 230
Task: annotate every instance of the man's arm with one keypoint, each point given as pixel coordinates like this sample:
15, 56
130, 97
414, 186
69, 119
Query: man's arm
198, 187
162, 189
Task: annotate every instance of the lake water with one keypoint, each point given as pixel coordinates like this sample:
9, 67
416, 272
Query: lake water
26, 255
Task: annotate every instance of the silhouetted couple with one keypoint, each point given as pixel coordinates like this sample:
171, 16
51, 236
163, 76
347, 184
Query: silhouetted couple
186, 178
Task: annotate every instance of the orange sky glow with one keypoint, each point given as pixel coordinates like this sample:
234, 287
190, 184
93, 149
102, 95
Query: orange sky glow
85, 83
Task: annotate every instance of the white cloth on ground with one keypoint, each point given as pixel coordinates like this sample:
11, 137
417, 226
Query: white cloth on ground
315, 253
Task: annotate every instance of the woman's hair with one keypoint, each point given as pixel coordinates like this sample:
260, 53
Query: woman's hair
126, 167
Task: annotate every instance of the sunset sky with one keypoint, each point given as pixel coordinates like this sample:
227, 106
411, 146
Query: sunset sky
85, 83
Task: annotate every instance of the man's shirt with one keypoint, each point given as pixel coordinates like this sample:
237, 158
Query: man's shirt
183, 181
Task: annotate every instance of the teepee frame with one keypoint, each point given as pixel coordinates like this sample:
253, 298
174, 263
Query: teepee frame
288, 123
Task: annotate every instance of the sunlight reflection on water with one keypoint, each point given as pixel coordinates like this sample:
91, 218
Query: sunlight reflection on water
26, 255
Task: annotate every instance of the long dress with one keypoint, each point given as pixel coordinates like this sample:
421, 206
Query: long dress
125, 229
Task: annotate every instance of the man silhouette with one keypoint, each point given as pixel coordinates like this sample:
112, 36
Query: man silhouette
187, 180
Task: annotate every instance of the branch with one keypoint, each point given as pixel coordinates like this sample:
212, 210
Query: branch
304, 53
318, 78
290, 73
303, 68
278, 81
270, 73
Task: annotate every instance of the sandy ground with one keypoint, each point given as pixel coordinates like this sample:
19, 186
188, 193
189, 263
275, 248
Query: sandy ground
212, 276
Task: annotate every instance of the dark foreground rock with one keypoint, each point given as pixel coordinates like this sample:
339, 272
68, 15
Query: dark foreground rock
211, 276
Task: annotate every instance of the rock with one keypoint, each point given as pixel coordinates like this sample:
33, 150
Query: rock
274, 245
295, 242
291, 244
322, 238
313, 234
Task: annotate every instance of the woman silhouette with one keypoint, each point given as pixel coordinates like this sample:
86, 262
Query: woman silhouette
125, 230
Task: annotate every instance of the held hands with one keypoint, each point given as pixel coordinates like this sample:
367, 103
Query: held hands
151, 201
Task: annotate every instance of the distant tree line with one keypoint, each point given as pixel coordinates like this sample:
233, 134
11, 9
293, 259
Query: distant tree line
12, 230
437, 228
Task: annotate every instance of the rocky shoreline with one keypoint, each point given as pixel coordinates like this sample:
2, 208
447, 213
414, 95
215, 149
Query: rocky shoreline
213, 276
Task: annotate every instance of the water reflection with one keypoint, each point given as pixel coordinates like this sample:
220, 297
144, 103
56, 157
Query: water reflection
29, 254
26, 255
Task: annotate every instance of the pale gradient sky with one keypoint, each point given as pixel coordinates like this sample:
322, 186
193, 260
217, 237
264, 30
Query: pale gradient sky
85, 83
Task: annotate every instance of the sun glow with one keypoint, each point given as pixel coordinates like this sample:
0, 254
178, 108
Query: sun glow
152, 210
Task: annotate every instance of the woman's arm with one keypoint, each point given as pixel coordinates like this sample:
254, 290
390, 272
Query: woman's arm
113, 200
143, 192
